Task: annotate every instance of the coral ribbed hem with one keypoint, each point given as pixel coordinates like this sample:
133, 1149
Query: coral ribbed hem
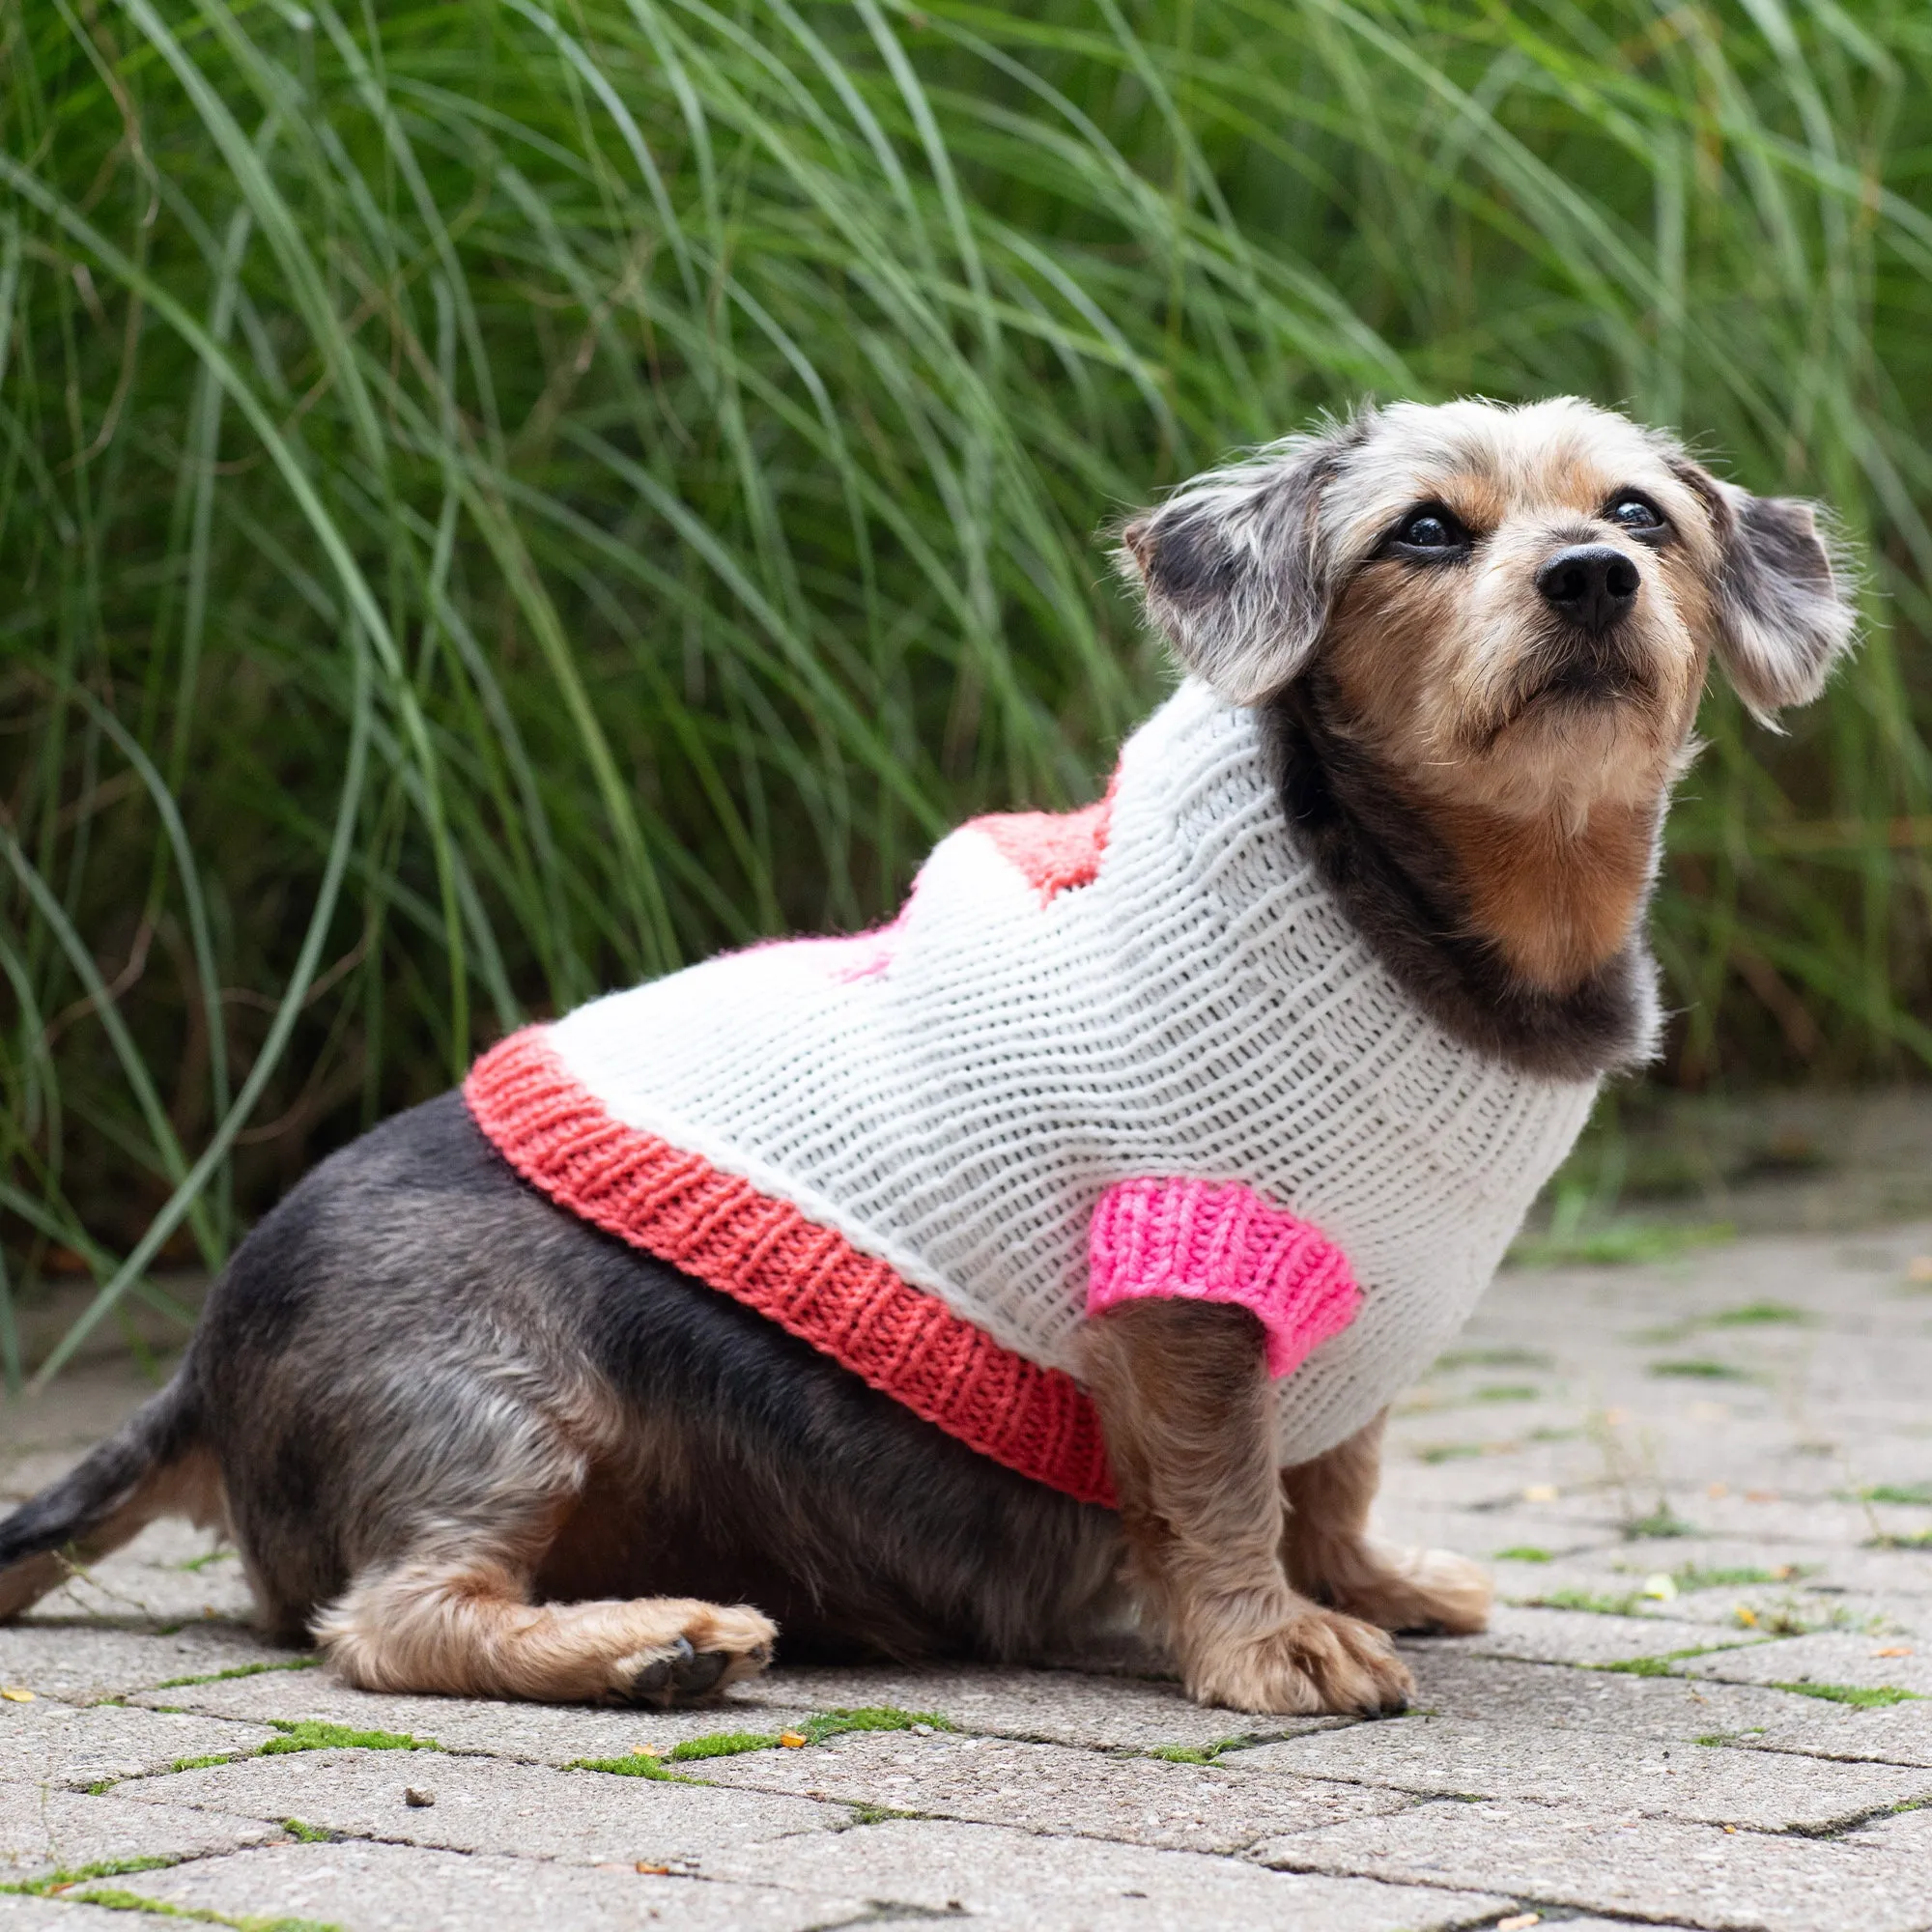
1197, 1240
808, 1279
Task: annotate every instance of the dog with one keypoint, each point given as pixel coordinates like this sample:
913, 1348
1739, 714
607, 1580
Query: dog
511, 1398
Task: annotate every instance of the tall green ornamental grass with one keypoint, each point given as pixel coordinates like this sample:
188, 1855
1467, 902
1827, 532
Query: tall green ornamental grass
501, 497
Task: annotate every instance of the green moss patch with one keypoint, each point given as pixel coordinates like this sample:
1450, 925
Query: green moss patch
310, 1733
1616, 1243
1916, 1493
1200, 1753
1663, 1523
1761, 1315
76, 1887
1861, 1697
722, 1744
1690, 1579
1492, 1358
239, 1670
1661, 1664
1630, 1604
638, 1764
872, 1718
814, 1730
1523, 1552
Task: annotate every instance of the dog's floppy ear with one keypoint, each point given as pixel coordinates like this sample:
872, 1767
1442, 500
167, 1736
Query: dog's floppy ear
1232, 567
1783, 609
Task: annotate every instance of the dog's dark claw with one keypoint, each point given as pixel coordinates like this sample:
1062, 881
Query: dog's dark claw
691, 1676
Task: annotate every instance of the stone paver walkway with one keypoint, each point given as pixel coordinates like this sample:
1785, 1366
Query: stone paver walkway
1706, 1487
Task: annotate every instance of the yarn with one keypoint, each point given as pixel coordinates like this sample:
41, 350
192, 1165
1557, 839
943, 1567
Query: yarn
763, 1252
951, 1098
1190, 1240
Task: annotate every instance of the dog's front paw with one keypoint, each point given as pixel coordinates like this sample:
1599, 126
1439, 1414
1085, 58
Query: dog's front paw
1417, 1590
1316, 1662
713, 1649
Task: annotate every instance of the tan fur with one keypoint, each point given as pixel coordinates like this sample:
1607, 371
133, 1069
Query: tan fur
1329, 1555
467, 1628
1549, 807
458, 1614
1188, 1409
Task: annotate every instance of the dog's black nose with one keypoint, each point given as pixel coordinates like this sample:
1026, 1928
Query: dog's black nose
1592, 585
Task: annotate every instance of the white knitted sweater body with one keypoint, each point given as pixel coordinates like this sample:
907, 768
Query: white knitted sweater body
954, 1095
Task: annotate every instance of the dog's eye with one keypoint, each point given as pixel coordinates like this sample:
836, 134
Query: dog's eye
1431, 528
1635, 514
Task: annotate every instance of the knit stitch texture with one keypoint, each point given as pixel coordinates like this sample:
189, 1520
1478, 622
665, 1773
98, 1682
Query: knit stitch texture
1167, 991
1189, 1240
809, 1280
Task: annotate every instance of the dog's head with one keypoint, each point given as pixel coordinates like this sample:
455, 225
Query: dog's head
1513, 608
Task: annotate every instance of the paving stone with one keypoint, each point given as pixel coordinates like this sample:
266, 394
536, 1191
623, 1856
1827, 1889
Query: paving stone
1894, 1734
45, 1743
538, 1733
1909, 1833
1829, 1658
170, 1573
364, 1888
1571, 1637
583, 1817
1046, 1787
1696, 1875
44, 1830
1555, 1697
84, 1661
1050, 1706
1081, 1885
1649, 1777
1550, 1748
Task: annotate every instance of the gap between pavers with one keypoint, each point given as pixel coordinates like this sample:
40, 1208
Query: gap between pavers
1058, 1885
84, 1663
1053, 1789
1651, 1869
1566, 1697
1828, 1658
537, 1733
492, 1805
1528, 1635
378, 1888
1595, 1772
44, 1830
1057, 1707
49, 1742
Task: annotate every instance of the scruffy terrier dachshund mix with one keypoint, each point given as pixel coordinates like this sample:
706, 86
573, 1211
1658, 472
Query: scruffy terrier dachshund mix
1035, 1272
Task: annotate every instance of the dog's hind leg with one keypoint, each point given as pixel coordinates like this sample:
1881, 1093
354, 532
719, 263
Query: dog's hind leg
1330, 1555
447, 1601
460, 1622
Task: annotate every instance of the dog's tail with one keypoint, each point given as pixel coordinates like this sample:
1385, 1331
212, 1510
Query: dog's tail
157, 1463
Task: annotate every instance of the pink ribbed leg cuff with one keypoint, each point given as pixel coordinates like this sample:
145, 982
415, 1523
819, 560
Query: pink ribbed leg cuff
1200, 1241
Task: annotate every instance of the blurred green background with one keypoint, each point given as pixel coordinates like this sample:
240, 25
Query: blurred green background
501, 497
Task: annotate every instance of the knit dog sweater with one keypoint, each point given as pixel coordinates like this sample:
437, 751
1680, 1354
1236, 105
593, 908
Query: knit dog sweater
1133, 1050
